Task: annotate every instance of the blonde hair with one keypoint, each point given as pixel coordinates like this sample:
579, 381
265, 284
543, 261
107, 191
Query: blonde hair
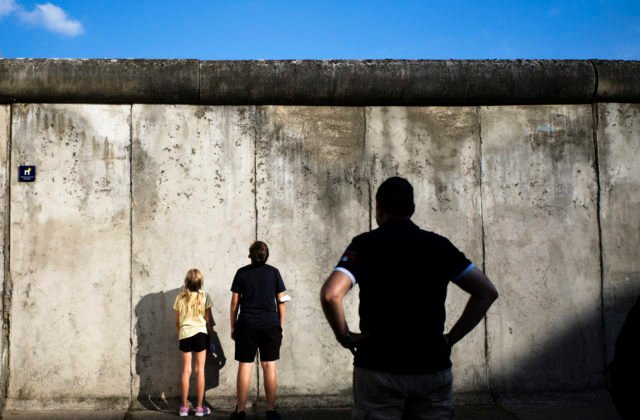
193, 283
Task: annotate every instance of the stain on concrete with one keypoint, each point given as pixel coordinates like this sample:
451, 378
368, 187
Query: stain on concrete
618, 147
312, 198
540, 218
195, 203
64, 226
438, 150
195, 207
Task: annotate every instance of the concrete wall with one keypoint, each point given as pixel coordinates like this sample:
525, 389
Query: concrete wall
5, 302
193, 205
542, 248
438, 150
128, 197
618, 147
312, 197
70, 264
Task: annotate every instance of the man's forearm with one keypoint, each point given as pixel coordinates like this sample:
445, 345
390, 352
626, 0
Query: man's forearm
473, 313
282, 311
332, 300
334, 312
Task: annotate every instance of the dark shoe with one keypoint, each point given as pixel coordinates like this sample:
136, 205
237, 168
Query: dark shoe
273, 415
237, 416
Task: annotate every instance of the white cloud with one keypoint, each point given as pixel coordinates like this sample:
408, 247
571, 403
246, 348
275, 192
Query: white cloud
52, 18
7, 6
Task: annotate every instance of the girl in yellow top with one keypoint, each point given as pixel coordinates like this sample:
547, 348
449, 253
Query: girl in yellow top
193, 323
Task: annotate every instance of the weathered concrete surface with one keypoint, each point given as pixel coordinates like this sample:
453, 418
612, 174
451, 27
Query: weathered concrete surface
542, 248
619, 148
70, 258
77, 288
618, 81
5, 125
396, 82
99, 81
438, 150
194, 206
314, 82
312, 199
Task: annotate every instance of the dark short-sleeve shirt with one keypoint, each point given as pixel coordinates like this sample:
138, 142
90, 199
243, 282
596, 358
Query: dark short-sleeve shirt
403, 272
258, 286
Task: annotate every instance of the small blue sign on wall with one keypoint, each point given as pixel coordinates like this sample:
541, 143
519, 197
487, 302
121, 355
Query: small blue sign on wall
27, 173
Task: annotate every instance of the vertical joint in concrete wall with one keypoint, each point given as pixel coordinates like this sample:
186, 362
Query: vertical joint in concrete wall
484, 254
255, 403
256, 134
596, 164
131, 201
370, 203
595, 85
481, 175
369, 168
7, 286
200, 81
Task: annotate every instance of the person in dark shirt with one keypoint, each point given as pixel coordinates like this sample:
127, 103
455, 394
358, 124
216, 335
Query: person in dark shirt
402, 356
257, 319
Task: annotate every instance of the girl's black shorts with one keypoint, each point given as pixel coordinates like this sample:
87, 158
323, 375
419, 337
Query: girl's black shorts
195, 343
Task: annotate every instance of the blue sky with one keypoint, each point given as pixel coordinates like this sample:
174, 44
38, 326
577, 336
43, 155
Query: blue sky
322, 29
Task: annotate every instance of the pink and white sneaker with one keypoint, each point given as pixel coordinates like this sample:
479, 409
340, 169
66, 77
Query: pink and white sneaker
202, 411
184, 411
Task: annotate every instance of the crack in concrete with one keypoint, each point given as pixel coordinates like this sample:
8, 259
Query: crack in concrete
257, 133
596, 164
484, 255
368, 168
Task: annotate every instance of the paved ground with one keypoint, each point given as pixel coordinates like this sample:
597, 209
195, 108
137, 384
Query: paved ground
523, 412
595, 407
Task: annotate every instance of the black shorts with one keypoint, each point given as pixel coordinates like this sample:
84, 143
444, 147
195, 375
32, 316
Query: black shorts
268, 340
195, 343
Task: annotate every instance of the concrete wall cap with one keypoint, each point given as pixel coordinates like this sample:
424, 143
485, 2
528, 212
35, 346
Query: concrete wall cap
319, 82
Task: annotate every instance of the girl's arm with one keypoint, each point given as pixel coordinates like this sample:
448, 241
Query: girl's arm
235, 305
177, 324
208, 316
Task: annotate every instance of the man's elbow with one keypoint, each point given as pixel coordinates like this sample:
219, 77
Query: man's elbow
492, 295
329, 295
486, 294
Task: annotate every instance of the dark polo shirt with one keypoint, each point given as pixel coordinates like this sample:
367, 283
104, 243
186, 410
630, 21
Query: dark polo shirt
258, 285
403, 273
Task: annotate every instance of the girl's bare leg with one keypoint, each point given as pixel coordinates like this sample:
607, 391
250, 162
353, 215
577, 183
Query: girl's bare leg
201, 357
184, 378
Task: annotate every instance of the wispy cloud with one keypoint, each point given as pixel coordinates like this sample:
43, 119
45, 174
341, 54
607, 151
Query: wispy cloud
48, 16
52, 18
7, 6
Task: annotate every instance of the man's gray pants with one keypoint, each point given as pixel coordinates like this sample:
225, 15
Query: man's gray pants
386, 396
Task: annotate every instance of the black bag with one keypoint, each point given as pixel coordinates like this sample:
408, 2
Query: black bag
215, 361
